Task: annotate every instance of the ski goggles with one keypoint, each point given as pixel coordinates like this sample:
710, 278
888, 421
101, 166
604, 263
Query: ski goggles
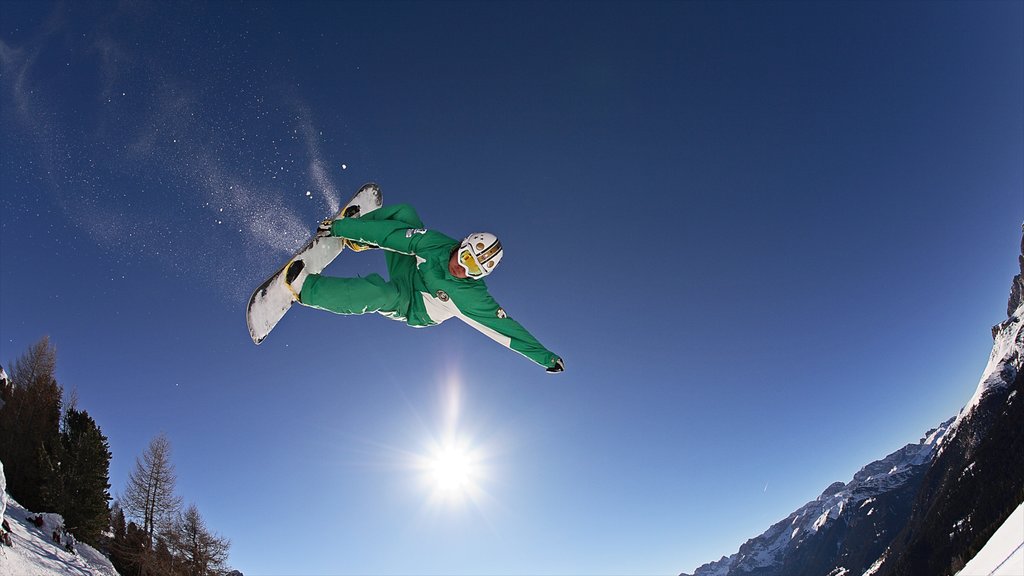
469, 263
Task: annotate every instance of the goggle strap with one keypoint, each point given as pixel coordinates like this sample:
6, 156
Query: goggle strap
490, 252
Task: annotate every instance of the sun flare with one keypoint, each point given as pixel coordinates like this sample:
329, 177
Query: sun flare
453, 466
451, 470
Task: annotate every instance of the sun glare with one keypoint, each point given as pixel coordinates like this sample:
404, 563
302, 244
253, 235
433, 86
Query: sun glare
452, 470
453, 466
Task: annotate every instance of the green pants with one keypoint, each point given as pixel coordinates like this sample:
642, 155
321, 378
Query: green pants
367, 294
350, 295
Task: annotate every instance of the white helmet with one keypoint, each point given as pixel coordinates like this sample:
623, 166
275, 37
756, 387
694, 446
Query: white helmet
479, 254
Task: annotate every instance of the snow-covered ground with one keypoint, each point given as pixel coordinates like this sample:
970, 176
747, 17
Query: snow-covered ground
35, 554
1004, 553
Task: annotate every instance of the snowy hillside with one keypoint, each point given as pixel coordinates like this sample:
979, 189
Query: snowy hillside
34, 553
1004, 553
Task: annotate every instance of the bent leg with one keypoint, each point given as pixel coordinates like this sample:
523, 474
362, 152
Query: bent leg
401, 212
349, 295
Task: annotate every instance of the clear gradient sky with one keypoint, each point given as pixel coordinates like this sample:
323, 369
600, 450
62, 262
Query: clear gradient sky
769, 240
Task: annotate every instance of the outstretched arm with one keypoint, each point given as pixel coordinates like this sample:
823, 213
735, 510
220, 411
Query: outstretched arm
490, 319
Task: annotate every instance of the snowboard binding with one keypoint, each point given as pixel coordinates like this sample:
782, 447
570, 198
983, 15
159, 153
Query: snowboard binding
294, 278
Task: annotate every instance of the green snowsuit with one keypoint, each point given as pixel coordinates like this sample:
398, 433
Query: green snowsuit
421, 291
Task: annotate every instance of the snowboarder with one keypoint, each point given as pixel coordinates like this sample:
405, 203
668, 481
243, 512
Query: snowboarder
432, 278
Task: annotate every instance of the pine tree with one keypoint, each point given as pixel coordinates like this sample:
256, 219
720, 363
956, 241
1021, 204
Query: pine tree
30, 428
119, 542
118, 523
200, 552
85, 473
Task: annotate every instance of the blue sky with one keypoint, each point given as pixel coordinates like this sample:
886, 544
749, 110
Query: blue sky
769, 240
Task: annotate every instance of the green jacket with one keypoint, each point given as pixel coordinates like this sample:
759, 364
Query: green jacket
418, 265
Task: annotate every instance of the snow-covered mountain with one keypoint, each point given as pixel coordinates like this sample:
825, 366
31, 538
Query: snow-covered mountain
847, 526
977, 477
924, 509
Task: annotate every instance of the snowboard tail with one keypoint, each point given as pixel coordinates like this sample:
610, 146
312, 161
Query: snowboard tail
273, 298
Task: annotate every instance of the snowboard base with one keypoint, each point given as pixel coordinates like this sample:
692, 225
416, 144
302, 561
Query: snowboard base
269, 303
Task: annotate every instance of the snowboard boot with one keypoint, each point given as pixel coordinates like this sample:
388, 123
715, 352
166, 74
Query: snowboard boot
357, 247
294, 277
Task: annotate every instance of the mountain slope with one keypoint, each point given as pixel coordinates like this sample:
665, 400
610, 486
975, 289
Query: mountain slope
1003, 555
846, 528
977, 478
925, 509
34, 553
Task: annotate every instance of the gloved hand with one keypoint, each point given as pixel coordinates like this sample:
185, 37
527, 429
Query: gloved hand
324, 229
558, 367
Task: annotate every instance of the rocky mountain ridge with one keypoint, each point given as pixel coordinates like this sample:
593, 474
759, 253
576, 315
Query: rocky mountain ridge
924, 509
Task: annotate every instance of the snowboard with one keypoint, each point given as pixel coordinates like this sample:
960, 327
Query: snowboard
269, 303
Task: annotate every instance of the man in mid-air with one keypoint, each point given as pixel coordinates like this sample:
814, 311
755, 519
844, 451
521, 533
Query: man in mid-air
432, 278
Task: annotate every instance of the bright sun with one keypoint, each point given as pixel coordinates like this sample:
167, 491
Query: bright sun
453, 467
452, 470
